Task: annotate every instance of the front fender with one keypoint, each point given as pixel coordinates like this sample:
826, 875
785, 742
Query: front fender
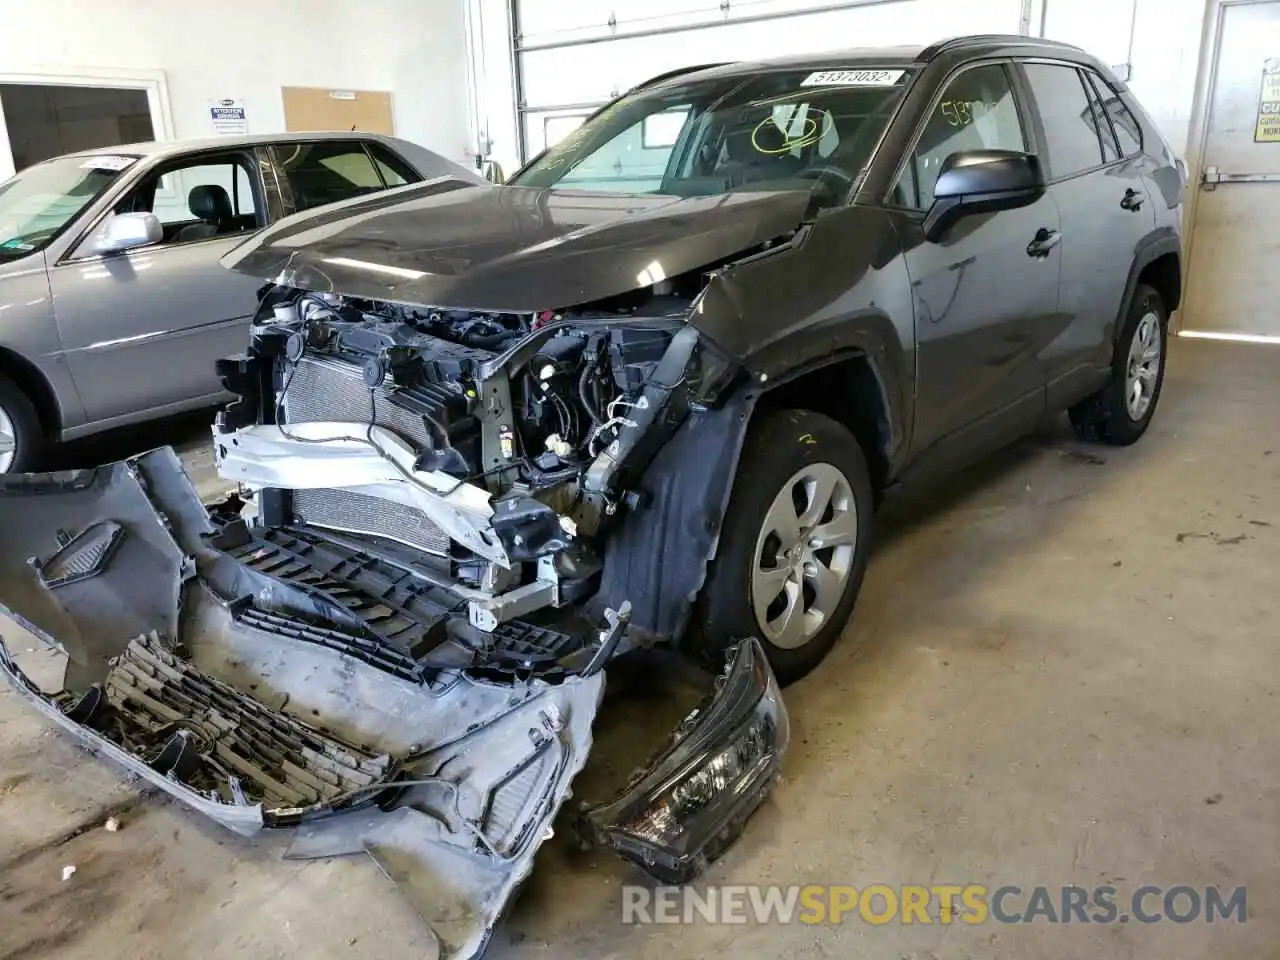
839, 288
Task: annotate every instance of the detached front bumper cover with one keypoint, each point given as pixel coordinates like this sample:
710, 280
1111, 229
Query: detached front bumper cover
262, 704
694, 799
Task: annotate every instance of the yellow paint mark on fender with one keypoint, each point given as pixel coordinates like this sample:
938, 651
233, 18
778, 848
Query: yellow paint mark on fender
808, 439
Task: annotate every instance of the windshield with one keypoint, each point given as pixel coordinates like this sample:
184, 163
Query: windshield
41, 200
787, 130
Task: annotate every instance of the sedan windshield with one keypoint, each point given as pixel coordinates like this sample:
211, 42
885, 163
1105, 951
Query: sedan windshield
785, 130
40, 201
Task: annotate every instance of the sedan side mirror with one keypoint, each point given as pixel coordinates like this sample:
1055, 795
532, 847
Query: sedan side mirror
982, 181
127, 230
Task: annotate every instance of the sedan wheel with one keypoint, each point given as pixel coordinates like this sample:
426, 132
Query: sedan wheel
20, 434
804, 555
8, 441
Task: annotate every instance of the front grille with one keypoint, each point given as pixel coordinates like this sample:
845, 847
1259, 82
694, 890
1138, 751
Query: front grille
325, 389
356, 513
215, 739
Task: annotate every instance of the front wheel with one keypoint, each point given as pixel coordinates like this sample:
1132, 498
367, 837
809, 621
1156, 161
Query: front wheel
19, 429
793, 547
1121, 411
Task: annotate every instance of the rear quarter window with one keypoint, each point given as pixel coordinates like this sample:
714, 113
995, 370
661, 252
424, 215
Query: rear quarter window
1128, 129
319, 172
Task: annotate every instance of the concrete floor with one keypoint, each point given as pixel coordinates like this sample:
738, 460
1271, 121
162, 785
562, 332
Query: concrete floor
1062, 670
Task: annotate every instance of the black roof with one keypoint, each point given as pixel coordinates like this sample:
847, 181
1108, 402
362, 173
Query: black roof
900, 56
981, 42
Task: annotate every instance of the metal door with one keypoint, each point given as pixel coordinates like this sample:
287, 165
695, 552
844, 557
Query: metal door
1235, 241
984, 301
142, 330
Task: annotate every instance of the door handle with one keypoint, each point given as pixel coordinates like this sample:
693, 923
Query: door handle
1044, 242
1133, 200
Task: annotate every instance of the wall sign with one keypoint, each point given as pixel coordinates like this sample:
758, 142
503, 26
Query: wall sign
228, 116
1268, 128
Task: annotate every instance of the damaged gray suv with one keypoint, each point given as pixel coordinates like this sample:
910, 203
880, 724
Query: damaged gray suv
491, 438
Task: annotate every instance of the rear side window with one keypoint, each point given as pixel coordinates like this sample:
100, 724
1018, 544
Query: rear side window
1128, 130
392, 167
976, 112
1070, 131
316, 173
1100, 121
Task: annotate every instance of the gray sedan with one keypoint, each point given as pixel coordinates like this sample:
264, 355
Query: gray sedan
113, 306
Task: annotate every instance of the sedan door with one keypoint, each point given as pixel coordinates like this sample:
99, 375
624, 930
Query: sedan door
1106, 213
986, 292
142, 329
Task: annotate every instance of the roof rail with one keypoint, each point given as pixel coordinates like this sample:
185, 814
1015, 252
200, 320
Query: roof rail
678, 72
953, 42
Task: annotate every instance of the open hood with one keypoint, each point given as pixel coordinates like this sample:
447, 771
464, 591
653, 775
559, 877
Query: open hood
447, 243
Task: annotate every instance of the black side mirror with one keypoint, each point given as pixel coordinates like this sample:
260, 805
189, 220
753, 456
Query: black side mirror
982, 181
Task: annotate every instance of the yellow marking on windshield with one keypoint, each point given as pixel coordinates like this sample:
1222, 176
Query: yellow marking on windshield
810, 134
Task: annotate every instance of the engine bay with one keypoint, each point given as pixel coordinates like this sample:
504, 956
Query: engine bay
569, 396
496, 450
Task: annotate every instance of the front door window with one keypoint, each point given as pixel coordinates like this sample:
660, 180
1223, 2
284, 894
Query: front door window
200, 198
976, 112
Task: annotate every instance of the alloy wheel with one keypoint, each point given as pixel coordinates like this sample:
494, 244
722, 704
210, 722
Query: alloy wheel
804, 555
8, 441
1143, 370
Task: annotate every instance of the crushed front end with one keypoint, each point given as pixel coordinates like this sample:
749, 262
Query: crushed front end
496, 452
405, 615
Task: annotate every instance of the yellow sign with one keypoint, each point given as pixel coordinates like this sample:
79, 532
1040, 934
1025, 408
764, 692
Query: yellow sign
1268, 128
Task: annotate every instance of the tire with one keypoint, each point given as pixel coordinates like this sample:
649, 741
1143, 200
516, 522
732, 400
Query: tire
807, 453
17, 414
1108, 415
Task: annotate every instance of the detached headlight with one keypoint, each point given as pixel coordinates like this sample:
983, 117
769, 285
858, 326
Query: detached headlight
694, 800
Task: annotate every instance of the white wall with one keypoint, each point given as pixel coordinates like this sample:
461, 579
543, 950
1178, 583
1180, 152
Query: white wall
1166, 42
1159, 39
249, 49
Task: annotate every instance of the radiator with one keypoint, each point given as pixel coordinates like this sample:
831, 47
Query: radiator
322, 388
349, 512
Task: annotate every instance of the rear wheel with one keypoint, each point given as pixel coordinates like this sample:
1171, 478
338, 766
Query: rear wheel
1121, 411
19, 429
793, 547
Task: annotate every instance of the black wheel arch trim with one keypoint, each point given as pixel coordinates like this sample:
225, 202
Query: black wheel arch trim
1157, 244
886, 359
659, 555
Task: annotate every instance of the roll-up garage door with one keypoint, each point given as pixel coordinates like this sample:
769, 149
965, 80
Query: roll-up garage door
573, 57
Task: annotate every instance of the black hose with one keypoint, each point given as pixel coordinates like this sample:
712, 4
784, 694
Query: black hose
587, 369
490, 342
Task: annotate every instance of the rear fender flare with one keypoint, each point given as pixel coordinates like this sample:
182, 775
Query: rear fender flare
1155, 245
